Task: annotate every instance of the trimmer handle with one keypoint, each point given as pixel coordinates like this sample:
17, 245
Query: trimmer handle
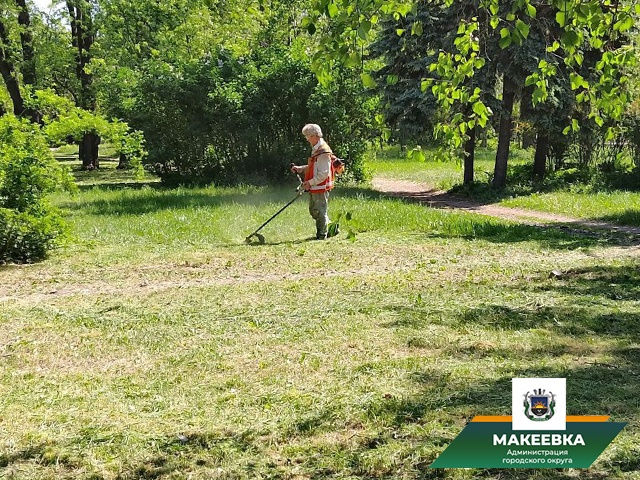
291, 165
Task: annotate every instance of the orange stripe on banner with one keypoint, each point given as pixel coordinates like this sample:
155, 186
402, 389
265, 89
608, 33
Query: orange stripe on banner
488, 418
587, 418
570, 418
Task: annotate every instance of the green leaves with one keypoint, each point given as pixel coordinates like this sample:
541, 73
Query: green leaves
523, 28
516, 35
332, 10
363, 30
333, 229
573, 127
392, 79
577, 81
28, 173
368, 81
624, 24
416, 154
482, 112
505, 38
531, 10
571, 39
580, 25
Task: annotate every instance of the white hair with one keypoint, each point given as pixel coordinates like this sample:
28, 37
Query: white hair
311, 129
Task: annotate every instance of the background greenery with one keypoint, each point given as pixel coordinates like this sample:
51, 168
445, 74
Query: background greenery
156, 344
141, 338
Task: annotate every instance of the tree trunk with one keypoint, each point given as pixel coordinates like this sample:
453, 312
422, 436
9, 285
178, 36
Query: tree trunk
124, 162
504, 135
88, 151
28, 69
82, 38
469, 157
540, 158
9, 73
526, 113
485, 138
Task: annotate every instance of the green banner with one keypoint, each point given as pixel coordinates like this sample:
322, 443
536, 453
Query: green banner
496, 445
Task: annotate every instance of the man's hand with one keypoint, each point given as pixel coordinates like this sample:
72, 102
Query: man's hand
295, 168
306, 185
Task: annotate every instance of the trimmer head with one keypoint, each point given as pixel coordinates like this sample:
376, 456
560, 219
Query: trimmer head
256, 235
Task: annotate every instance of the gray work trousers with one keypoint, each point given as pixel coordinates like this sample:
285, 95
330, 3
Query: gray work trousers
318, 207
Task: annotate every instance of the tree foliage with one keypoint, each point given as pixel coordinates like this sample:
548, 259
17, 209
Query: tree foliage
229, 117
29, 226
575, 31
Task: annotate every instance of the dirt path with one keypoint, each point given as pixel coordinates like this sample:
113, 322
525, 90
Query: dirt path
441, 199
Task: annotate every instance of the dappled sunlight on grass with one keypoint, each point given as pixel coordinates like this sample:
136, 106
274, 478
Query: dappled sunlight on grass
156, 344
619, 207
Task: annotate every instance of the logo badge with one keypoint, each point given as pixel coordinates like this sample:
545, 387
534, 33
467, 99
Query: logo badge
537, 434
539, 405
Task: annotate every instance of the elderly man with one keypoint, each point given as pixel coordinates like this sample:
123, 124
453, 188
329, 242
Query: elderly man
318, 177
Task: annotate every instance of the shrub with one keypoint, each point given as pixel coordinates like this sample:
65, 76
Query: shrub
227, 119
25, 237
64, 123
631, 135
28, 172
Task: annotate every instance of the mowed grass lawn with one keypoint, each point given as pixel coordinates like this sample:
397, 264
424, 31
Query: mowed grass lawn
157, 345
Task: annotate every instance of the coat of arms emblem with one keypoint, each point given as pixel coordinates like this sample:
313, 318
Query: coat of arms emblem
539, 405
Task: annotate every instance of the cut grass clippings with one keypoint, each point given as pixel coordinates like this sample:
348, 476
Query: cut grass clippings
156, 344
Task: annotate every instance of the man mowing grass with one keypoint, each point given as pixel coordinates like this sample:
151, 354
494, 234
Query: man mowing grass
319, 178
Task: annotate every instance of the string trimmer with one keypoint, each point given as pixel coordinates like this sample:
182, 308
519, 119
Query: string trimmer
299, 192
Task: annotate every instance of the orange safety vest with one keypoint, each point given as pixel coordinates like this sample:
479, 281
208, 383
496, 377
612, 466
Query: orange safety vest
327, 184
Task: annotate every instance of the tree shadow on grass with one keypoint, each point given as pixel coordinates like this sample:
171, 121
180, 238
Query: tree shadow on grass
401, 435
177, 199
630, 217
29, 453
137, 185
44, 455
563, 320
193, 451
601, 285
609, 282
591, 390
467, 225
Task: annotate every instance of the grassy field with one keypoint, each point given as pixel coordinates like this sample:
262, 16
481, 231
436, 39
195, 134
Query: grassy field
157, 345
616, 206
392, 163
619, 206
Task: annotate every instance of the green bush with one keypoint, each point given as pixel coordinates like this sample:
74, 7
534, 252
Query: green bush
227, 119
28, 172
631, 137
64, 123
25, 237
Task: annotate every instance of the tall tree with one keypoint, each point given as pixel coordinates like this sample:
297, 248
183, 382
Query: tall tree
9, 72
28, 69
594, 24
509, 90
409, 45
82, 38
16, 63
